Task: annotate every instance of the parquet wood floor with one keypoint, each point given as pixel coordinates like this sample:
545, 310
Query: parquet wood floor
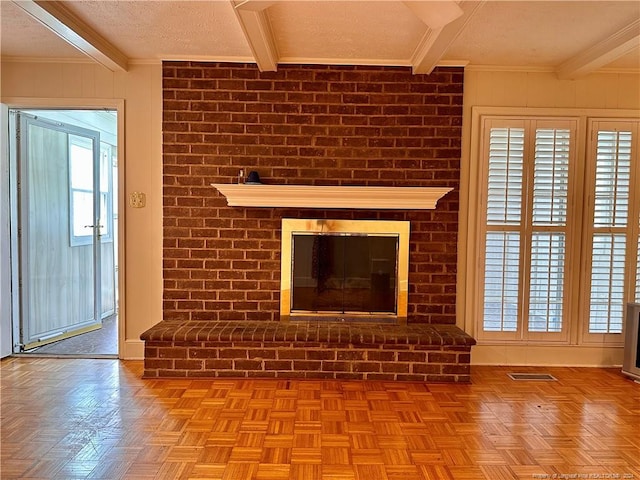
97, 419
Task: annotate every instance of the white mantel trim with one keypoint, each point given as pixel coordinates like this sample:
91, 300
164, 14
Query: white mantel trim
340, 196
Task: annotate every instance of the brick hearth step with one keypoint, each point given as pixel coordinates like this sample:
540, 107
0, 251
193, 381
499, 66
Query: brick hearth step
307, 349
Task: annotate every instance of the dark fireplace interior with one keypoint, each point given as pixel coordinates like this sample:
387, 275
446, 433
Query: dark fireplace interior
344, 273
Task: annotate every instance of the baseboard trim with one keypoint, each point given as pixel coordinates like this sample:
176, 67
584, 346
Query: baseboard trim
132, 350
548, 355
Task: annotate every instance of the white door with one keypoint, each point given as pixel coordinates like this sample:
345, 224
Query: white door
59, 205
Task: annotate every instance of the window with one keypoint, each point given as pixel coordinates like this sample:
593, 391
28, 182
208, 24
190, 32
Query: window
526, 227
81, 189
81, 186
535, 210
613, 249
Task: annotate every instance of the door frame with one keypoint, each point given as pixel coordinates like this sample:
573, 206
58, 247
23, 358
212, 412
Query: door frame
65, 104
6, 344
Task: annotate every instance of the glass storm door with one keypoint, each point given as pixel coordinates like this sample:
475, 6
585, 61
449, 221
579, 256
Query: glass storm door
59, 218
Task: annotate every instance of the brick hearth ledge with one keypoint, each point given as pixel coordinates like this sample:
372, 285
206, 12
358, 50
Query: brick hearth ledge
307, 349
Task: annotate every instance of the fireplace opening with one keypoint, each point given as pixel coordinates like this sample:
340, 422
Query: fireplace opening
344, 273
344, 270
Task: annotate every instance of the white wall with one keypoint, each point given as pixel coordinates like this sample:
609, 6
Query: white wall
140, 167
515, 88
518, 89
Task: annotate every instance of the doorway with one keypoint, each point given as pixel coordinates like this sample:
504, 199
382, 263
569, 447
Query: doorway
65, 223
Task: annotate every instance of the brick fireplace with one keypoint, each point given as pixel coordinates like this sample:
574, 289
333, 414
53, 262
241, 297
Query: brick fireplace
307, 125
302, 125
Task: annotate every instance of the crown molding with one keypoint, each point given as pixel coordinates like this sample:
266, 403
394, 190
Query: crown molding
619, 71
75, 60
145, 61
509, 68
206, 59
12, 59
364, 62
393, 62
317, 61
543, 69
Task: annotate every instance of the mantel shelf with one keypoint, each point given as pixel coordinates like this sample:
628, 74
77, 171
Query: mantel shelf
339, 196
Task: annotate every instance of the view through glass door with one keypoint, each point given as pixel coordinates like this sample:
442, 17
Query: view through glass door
66, 234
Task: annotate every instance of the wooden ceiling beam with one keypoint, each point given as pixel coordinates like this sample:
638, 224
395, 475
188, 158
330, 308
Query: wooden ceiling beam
436, 41
602, 53
61, 21
253, 5
254, 20
435, 14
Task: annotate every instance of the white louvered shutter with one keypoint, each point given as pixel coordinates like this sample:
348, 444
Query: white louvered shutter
527, 193
504, 211
549, 220
506, 155
614, 267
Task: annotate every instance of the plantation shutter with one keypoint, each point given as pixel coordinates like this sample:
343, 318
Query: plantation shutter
614, 261
526, 228
506, 155
504, 207
550, 191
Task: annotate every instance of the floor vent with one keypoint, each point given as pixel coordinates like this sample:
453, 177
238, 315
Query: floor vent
532, 376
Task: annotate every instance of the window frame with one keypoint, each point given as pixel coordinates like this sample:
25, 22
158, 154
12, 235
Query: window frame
470, 268
525, 228
632, 228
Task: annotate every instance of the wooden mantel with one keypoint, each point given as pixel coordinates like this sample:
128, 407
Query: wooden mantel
339, 196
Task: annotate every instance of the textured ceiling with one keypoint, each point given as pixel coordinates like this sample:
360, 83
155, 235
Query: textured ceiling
166, 29
499, 33
21, 36
379, 31
540, 33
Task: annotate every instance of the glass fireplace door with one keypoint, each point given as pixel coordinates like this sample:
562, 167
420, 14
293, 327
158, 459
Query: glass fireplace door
344, 273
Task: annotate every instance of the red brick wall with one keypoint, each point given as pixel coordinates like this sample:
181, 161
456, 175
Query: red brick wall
313, 125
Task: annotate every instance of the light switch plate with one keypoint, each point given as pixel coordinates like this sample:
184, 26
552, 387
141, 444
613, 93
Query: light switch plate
137, 199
